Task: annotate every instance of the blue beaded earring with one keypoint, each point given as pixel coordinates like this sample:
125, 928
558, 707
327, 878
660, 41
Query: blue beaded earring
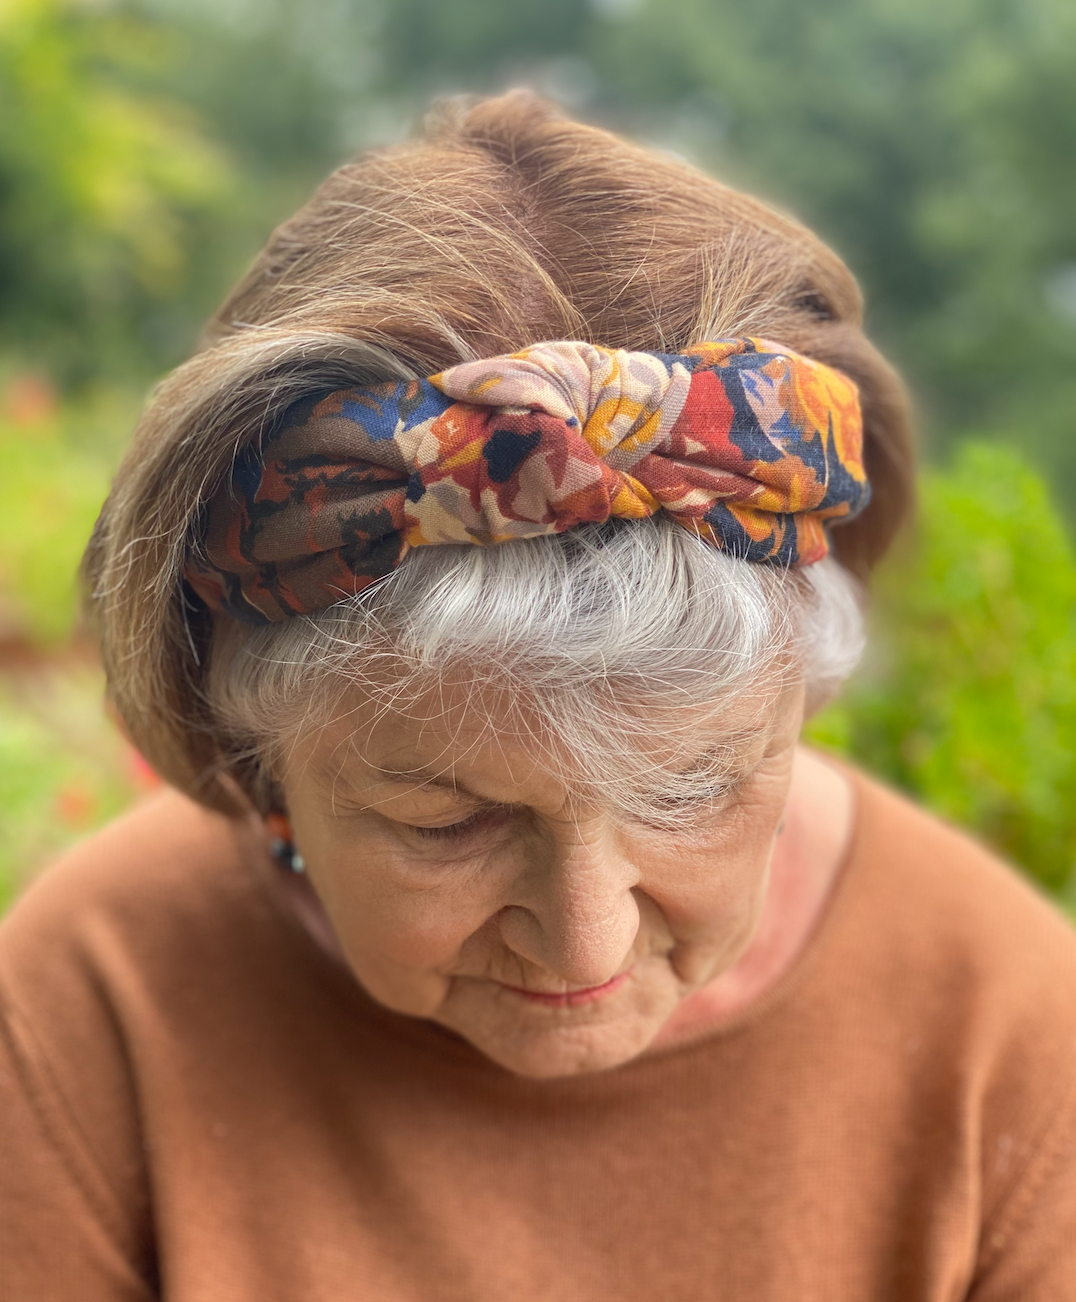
282, 845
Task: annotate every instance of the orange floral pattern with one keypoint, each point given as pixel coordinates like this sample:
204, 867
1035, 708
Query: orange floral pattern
750, 446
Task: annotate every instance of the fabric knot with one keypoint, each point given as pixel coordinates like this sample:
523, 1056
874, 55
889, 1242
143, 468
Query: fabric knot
750, 446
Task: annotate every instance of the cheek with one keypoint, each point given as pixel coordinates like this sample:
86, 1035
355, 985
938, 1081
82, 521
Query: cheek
707, 895
710, 889
394, 921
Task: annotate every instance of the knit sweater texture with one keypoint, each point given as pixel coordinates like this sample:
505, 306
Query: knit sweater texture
198, 1103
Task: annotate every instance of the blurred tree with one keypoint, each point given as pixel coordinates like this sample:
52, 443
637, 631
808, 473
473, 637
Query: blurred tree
104, 194
932, 144
285, 85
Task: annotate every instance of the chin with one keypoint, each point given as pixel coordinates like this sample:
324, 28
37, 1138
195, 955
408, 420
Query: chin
556, 1051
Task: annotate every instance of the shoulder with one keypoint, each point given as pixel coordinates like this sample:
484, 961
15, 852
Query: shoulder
89, 957
133, 885
145, 923
123, 908
954, 909
134, 933
974, 972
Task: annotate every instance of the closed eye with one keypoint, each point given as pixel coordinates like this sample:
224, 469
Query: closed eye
677, 811
451, 831
484, 819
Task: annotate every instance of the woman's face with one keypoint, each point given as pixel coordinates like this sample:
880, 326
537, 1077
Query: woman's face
469, 886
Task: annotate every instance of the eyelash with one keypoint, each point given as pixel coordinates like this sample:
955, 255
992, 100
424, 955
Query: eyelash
450, 831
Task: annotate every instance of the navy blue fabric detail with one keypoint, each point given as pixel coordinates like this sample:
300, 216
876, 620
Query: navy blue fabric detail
505, 451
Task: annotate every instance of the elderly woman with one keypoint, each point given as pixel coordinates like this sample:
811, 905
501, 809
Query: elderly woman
498, 940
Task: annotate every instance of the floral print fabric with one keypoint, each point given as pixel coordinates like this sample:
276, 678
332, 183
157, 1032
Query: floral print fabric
750, 446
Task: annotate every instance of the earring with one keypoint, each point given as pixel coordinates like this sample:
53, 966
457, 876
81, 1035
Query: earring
282, 845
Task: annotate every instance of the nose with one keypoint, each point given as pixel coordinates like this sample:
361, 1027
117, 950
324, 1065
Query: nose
574, 912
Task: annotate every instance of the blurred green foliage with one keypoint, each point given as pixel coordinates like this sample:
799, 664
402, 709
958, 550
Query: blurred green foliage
967, 697
55, 466
102, 190
148, 146
64, 770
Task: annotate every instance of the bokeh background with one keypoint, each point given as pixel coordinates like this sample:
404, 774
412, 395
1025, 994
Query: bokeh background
147, 148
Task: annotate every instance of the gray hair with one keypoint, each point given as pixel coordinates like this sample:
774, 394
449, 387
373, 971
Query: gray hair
605, 631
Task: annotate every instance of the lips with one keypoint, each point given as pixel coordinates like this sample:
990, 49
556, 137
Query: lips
572, 998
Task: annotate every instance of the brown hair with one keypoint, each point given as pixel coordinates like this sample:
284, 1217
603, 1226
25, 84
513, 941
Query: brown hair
504, 225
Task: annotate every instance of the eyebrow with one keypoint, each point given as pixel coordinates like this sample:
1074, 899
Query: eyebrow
426, 778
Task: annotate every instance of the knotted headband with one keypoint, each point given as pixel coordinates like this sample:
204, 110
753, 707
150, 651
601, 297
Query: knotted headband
750, 446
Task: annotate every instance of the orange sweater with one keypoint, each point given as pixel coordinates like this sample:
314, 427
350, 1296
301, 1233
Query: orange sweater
197, 1103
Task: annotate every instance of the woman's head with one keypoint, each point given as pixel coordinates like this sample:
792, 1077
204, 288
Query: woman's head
619, 694
484, 881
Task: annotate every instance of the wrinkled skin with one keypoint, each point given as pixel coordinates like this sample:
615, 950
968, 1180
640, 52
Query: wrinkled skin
467, 885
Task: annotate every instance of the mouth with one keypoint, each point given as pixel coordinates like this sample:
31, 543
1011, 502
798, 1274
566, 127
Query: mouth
571, 998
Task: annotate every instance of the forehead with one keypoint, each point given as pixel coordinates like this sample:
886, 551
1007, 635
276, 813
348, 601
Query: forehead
455, 734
